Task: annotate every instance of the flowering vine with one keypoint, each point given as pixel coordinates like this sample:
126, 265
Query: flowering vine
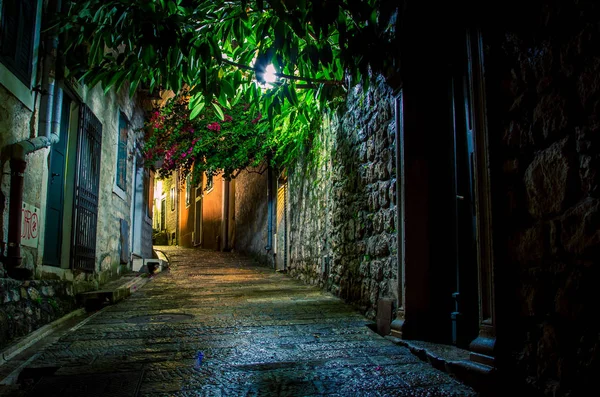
205, 143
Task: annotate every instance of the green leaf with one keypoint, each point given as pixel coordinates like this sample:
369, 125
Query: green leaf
175, 82
218, 111
133, 85
149, 55
226, 88
172, 7
223, 100
113, 80
237, 98
197, 109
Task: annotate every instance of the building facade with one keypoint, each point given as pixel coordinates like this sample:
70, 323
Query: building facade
198, 215
75, 194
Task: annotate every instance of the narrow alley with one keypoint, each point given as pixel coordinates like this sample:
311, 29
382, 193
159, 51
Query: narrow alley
217, 324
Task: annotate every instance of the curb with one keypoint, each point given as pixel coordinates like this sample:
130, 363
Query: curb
123, 291
481, 378
26, 342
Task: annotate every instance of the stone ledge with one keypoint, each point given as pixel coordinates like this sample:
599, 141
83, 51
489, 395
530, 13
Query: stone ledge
455, 362
112, 292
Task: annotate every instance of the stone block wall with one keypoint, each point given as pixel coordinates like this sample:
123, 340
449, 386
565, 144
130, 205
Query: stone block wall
251, 214
28, 305
113, 207
15, 125
543, 85
343, 204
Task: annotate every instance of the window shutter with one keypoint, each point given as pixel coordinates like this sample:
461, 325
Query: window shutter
17, 34
122, 153
24, 55
10, 28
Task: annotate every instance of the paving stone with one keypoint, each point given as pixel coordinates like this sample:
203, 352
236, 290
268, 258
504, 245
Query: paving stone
216, 324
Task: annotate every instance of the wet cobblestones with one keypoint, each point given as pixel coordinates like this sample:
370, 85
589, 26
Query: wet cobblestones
216, 324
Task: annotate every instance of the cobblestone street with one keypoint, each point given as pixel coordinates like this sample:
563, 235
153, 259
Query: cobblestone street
216, 324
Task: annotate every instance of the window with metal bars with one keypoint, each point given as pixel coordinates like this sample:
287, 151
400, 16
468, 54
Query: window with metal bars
17, 30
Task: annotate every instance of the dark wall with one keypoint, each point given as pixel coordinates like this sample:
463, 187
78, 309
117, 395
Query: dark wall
251, 214
343, 203
543, 88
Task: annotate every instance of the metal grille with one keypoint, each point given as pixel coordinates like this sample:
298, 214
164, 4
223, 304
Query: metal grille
86, 192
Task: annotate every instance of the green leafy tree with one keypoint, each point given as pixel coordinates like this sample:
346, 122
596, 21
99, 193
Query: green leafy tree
219, 51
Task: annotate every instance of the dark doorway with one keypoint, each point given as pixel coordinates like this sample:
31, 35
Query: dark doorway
465, 314
56, 191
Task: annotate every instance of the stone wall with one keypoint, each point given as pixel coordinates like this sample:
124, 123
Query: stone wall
251, 215
343, 204
543, 85
28, 305
112, 204
16, 125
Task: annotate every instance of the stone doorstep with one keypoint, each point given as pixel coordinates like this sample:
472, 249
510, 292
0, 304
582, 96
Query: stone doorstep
455, 362
113, 292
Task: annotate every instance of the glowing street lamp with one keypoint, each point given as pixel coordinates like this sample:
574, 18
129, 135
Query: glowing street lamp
266, 75
270, 74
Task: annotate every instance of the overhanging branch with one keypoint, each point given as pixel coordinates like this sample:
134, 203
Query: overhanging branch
285, 76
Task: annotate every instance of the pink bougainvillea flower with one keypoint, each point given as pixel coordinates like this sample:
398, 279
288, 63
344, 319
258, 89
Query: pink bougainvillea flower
257, 119
228, 118
214, 126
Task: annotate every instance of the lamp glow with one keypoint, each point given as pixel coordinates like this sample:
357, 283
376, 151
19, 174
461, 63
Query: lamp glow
269, 75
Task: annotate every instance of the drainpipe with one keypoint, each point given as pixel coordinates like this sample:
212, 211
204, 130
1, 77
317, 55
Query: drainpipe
226, 183
48, 134
17, 171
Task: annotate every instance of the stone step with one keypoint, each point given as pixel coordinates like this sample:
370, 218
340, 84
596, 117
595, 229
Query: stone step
113, 292
120, 289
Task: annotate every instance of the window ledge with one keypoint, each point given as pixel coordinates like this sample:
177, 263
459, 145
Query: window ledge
16, 87
120, 193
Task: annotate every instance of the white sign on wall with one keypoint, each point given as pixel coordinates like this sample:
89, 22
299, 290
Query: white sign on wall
29, 225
